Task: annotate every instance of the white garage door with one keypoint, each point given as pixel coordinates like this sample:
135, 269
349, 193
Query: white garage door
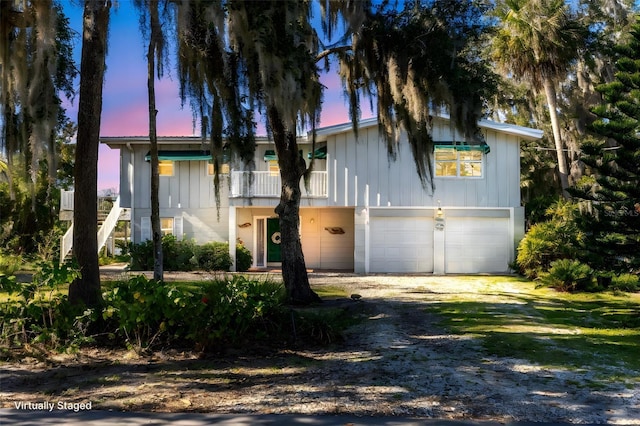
401, 244
474, 245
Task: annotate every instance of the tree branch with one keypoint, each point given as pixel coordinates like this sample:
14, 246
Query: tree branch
320, 56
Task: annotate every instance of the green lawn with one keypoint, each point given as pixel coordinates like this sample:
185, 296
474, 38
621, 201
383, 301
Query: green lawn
593, 331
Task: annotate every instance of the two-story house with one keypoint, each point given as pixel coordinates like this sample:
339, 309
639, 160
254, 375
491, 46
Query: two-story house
360, 212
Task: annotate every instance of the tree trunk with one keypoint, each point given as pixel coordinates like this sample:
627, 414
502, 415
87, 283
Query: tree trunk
563, 170
292, 168
158, 272
85, 215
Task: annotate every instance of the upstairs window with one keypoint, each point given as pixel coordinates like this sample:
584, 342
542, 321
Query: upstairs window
462, 161
165, 168
224, 169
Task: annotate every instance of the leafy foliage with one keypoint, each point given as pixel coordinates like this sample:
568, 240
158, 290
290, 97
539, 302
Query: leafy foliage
213, 257
40, 312
560, 237
244, 259
568, 275
185, 255
143, 314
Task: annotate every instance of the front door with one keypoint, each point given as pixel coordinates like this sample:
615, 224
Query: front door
273, 240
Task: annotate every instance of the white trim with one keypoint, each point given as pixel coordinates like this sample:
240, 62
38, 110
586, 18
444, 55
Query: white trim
525, 132
233, 236
178, 227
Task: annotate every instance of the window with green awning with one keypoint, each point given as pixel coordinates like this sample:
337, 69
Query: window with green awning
319, 154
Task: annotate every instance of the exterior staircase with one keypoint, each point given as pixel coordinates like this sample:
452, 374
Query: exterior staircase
107, 221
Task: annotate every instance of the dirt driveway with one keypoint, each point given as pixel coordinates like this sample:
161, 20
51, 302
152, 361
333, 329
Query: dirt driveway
397, 361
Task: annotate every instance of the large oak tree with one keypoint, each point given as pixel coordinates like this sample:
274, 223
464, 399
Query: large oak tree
240, 56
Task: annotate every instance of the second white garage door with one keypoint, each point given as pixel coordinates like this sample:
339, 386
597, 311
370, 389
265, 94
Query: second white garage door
401, 244
477, 244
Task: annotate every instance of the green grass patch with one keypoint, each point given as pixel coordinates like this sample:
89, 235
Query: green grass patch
331, 292
511, 318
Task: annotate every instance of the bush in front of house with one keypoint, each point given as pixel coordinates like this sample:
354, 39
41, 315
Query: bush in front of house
229, 310
560, 237
176, 254
212, 257
185, 255
568, 275
244, 260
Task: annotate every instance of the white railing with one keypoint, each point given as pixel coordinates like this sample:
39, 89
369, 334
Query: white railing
268, 184
66, 243
109, 224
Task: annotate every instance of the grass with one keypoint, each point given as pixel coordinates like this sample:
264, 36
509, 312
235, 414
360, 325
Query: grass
590, 331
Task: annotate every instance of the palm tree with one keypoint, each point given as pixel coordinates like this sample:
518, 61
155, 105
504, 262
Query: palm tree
537, 42
86, 289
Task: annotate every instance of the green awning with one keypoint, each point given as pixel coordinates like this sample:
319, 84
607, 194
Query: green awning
320, 153
181, 156
462, 146
270, 155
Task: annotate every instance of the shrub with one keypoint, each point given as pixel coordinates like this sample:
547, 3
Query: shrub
560, 237
176, 255
244, 260
568, 275
10, 264
213, 257
40, 312
237, 307
145, 313
625, 282
141, 256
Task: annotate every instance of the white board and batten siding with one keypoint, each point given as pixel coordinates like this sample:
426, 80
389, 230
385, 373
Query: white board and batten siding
188, 197
362, 174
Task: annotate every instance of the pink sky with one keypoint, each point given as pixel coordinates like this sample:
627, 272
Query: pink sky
125, 107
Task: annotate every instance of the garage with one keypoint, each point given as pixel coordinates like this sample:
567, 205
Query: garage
477, 244
401, 244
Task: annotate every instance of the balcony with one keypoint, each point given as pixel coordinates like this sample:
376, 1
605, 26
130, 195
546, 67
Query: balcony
268, 184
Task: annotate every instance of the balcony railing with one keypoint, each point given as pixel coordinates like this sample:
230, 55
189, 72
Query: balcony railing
268, 184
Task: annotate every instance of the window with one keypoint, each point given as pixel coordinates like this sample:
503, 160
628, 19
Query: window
165, 168
224, 169
274, 168
166, 226
452, 162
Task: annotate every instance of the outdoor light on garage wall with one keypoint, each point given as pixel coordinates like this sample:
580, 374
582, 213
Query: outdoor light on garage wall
439, 218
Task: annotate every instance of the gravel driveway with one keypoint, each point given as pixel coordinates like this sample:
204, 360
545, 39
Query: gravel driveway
397, 361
